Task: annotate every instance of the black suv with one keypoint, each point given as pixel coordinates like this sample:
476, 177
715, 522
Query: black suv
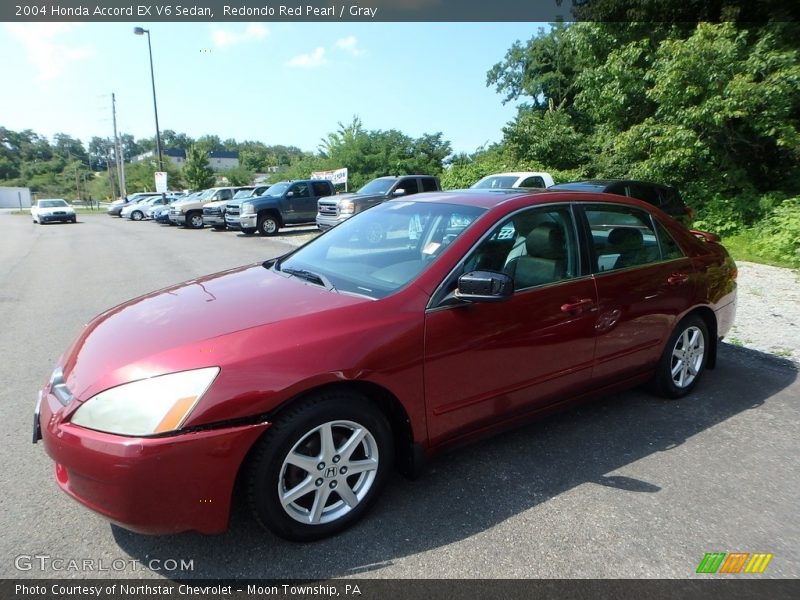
664, 197
284, 203
332, 211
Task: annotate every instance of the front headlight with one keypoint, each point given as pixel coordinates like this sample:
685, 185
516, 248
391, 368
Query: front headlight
248, 209
146, 407
347, 207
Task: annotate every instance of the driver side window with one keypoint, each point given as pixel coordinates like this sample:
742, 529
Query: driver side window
536, 246
300, 190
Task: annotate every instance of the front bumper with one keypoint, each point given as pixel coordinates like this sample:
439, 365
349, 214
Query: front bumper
213, 220
232, 222
177, 219
148, 485
248, 221
53, 218
325, 222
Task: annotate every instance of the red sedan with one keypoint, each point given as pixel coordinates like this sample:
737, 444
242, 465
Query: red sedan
413, 326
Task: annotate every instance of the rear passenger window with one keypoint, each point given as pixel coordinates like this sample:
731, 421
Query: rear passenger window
410, 186
644, 192
669, 248
429, 184
622, 237
320, 188
533, 182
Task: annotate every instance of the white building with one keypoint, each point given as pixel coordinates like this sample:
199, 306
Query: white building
219, 160
14, 197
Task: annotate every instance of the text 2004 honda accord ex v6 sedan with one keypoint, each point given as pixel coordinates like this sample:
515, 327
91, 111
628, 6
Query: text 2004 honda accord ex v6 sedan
410, 327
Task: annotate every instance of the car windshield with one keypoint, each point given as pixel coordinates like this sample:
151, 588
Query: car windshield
52, 203
377, 186
277, 189
205, 194
242, 194
494, 182
382, 249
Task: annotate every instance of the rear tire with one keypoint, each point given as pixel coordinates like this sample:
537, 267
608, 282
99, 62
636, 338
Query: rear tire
684, 359
320, 466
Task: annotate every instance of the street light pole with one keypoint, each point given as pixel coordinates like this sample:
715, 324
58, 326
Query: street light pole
140, 31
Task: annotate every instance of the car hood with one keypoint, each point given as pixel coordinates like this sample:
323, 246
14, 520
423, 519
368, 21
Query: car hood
188, 326
51, 210
354, 196
216, 203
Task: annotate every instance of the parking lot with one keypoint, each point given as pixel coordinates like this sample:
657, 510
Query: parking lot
628, 486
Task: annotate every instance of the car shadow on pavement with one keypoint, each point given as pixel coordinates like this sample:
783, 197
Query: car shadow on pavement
471, 489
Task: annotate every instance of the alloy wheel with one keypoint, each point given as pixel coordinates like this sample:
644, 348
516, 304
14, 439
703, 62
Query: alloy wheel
687, 357
328, 472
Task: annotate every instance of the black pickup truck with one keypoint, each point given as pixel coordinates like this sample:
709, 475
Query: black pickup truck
334, 210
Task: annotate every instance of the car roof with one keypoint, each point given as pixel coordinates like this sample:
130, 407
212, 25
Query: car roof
469, 197
491, 199
600, 184
516, 174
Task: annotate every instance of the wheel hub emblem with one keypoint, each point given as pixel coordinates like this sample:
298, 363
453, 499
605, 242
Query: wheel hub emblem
330, 472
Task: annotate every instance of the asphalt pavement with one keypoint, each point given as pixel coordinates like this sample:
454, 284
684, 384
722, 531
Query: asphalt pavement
627, 486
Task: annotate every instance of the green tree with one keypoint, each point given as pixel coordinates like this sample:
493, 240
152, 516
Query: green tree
196, 172
239, 175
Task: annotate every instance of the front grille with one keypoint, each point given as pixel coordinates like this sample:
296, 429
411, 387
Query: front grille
212, 211
59, 212
328, 209
233, 210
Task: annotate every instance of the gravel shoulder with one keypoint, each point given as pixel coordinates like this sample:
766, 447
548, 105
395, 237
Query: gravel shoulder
768, 310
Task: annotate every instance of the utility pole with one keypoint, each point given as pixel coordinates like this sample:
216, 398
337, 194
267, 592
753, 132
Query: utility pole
110, 176
118, 150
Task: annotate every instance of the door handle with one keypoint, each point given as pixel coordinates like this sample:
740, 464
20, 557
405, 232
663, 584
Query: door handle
577, 306
677, 278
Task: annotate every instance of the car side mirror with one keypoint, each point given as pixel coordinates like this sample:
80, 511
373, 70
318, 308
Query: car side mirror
398, 192
484, 286
289, 194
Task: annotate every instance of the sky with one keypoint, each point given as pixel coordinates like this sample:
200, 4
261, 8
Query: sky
278, 83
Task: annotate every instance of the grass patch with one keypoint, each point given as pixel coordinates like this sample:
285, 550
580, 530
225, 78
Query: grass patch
742, 246
81, 210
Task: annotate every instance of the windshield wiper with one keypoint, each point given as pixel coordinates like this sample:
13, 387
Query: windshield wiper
310, 276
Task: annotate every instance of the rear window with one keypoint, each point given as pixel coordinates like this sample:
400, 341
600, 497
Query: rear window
321, 188
429, 184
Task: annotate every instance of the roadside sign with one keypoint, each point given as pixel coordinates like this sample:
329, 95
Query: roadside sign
338, 177
161, 181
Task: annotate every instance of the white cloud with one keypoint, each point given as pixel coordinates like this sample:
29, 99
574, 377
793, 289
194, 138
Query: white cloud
49, 56
226, 37
349, 44
308, 61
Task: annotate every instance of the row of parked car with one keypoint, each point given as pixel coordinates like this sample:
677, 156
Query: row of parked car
265, 209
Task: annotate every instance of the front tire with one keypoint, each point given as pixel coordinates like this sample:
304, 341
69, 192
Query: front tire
194, 220
320, 466
137, 215
684, 359
268, 225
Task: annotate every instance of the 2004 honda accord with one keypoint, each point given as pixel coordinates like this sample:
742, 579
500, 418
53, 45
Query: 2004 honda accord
307, 377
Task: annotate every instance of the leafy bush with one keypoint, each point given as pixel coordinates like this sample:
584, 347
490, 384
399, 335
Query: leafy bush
778, 235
